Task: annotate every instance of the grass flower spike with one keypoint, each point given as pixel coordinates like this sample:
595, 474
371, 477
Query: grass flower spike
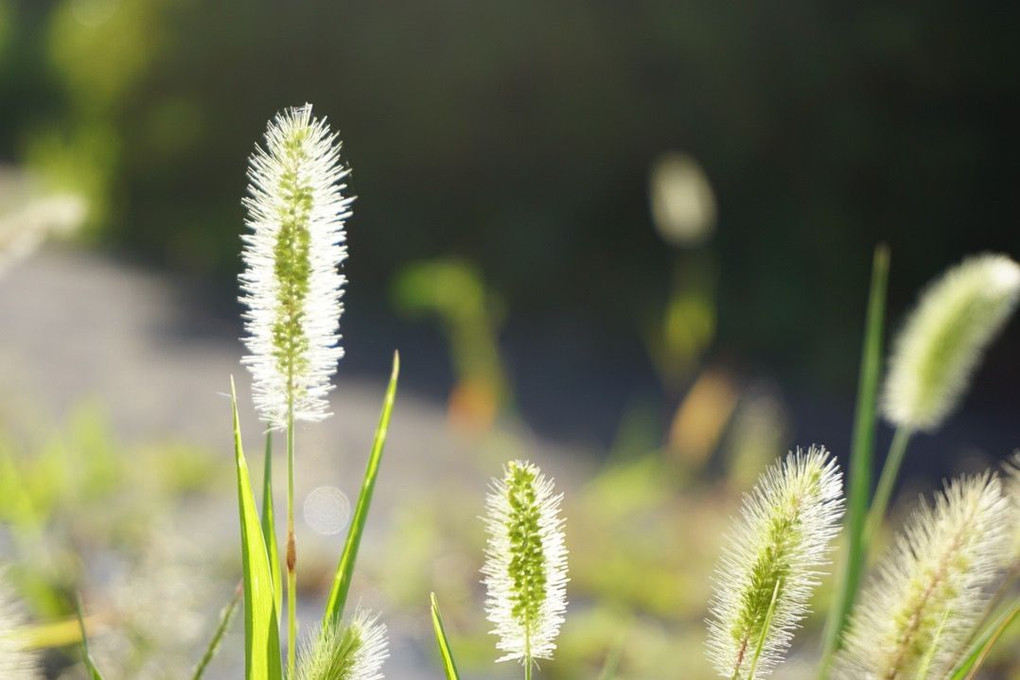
16, 663
771, 564
526, 564
355, 651
1013, 493
291, 283
940, 345
934, 586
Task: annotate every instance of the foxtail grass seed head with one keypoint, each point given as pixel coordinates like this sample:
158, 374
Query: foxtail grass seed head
16, 663
352, 651
526, 563
1012, 486
932, 588
777, 548
291, 281
944, 338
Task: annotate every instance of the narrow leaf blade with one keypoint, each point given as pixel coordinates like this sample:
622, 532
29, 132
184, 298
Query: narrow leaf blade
861, 457
444, 646
269, 523
90, 665
613, 659
978, 652
262, 635
345, 569
226, 618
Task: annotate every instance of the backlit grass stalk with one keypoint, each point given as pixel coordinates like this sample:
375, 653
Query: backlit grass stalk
526, 564
937, 352
292, 288
862, 450
933, 587
772, 563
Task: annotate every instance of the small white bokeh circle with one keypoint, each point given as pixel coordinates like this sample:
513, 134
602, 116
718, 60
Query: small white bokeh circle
327, 510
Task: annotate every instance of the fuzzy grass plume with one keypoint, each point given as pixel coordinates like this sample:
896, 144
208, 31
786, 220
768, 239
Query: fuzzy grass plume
772, 563
934, 586
16, 663
1012, 487
942, 341
291, 283
354, 651
526, 564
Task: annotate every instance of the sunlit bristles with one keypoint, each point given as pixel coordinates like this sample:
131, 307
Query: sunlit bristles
781, 541
1012, 488
942, 341
354, 651
526, 563
291, 282
933, 587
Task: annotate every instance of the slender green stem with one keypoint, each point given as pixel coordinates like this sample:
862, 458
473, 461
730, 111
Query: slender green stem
764, 631
527, 669
291, 550
987, 647
890, 471
613, 658
226, 616
848, 575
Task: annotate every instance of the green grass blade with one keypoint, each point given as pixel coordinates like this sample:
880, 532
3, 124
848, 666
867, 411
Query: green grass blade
861, 461
444, 645
345, 569
269, 524
982, 645
764, 632
613, 659
90, 665
886, 482
226, 617
261, 633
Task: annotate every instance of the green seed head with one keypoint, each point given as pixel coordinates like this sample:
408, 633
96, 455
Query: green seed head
525, 569
943, 339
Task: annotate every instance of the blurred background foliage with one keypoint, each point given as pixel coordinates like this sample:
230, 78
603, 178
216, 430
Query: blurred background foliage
520, 137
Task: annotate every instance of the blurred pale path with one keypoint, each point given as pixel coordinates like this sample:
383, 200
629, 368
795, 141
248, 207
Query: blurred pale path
79, 327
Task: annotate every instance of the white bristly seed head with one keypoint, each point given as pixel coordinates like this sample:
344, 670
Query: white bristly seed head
16, 663
1012, 487
943, 339
932, 588
777, 548
291, 281
525, 563
352, 651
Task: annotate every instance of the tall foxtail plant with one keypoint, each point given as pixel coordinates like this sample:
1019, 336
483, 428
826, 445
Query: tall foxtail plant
292, 287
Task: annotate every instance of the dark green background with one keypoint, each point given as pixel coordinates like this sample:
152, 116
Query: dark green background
519, 135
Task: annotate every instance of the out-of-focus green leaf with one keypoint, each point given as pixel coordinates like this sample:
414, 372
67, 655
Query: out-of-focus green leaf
983, 643
861, 457
613, 660
444, 646
261, 633
226, 617
90, 666
345, 569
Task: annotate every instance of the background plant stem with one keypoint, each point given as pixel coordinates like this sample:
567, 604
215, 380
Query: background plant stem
883, 492
861, 457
